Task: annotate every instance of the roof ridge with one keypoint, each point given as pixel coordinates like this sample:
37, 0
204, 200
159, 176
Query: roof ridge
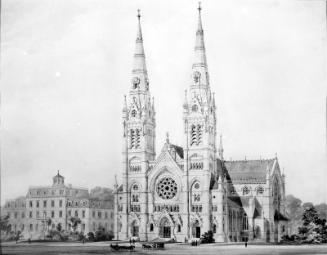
247, 160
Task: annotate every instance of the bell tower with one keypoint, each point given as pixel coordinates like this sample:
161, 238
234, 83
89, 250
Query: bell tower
139, 144
138, 111
200, 110
199, 115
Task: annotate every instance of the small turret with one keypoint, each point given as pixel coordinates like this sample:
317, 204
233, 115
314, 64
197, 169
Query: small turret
221, 149
58, 180
125, 109
185, 104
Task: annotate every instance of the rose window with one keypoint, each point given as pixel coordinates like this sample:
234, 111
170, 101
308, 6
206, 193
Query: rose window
167, 188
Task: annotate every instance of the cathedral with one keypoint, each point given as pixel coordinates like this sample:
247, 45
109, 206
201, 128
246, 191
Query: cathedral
183, 192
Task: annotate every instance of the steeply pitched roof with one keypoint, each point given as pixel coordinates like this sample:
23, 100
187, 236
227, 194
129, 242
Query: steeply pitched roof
245, 171
179, 150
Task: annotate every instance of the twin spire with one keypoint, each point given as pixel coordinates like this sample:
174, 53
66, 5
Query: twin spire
200, 60
200, 55
139, 65
140, 83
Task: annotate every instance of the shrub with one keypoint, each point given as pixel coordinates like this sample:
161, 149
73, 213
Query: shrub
90, 236
207, 237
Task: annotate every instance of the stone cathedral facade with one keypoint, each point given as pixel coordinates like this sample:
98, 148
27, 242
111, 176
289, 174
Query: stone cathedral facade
183, 192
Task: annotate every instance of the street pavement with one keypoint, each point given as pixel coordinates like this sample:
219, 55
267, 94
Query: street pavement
171, 249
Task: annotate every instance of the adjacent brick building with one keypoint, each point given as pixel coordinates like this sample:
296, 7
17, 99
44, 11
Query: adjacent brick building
46, 207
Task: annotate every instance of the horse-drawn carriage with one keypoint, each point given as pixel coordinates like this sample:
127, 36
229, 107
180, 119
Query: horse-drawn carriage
154, 245
117, 247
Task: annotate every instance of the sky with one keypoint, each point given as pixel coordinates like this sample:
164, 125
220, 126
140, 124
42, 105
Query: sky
66, 65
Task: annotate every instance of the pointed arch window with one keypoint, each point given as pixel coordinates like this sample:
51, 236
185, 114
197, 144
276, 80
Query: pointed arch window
135, 138
196, 193
196, 134
133, 113
260, 190
135, 198
138, 138
245, 190
132, 140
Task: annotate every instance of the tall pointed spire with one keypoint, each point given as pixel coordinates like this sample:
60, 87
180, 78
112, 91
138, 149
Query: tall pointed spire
139, 92
200, 75
139, 56
200, 29
200, 55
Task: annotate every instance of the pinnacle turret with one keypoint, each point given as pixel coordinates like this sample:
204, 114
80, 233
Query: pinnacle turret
221, 149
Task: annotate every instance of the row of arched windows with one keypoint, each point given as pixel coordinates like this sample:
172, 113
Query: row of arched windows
196, 165
135, 168
246, 190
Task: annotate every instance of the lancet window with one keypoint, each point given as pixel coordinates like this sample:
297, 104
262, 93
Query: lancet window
135, 138
196, 134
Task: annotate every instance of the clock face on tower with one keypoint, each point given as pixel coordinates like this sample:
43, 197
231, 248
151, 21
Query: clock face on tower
136, 82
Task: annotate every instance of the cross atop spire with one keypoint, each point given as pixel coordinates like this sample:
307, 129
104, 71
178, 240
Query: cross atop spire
200, 30
139, 30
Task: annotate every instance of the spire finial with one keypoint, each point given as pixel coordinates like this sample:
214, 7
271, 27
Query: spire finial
200, 30
167, 137
58, 173
116, 183
139, 14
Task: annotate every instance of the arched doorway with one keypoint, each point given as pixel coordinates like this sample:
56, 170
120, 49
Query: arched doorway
135, 229
165, 228
196, 229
